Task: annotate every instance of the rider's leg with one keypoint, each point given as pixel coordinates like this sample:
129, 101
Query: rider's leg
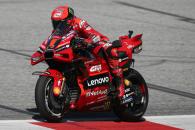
116, 71
111, 56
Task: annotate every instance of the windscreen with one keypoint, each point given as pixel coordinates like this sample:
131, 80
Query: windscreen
61, 30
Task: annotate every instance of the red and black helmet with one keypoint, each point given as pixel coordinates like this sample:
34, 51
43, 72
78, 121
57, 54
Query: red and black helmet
61, 13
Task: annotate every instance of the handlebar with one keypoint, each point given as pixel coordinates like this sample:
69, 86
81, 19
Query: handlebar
79, 43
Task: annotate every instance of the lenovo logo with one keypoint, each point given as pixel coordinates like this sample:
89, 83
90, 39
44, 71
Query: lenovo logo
97, 82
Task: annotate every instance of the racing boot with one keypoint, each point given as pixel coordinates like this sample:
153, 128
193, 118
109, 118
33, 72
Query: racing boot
119, 87
117, 73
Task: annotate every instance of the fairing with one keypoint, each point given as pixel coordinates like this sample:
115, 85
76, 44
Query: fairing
57, 77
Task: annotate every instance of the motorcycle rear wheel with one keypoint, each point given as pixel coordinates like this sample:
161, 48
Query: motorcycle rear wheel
134, 110
48, 105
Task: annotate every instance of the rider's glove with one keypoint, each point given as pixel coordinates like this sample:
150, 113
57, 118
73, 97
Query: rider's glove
89, 43
77, 42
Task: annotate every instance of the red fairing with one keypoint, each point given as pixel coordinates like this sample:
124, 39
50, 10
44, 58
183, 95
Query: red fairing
131, 42
36, 58
92, 97
92, 94
43, 46
65, 55
128, 44
56, 76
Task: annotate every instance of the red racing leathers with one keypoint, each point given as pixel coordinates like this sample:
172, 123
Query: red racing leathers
92, 36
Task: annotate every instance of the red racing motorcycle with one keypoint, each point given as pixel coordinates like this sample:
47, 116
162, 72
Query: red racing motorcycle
80, 81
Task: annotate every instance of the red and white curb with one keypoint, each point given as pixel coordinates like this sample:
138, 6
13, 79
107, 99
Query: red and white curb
186, 122
20, 125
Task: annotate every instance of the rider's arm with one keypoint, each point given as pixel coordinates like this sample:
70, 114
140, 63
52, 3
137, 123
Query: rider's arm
42, 47
91, 35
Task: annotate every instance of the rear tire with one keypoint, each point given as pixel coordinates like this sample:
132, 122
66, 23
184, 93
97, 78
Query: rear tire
134, 111
49, 107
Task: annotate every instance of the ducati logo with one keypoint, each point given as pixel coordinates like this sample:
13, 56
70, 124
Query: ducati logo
96, 68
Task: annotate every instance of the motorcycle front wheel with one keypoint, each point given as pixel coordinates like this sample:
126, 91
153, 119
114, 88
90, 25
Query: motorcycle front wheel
134, 110
49, 106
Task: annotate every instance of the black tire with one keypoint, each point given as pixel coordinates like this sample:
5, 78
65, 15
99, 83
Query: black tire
128, 112
49, 107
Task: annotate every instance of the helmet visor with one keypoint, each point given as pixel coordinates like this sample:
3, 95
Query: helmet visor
55, 24
61, 27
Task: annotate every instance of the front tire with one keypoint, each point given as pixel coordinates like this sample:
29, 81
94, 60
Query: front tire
134, 110
48, 105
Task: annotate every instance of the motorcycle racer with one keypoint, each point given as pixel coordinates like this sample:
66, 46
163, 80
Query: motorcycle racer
100, 42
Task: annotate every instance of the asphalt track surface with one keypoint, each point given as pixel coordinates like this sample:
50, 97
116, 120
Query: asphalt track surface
167, 61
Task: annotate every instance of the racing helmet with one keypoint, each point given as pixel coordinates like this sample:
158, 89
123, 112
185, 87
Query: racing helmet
61, 13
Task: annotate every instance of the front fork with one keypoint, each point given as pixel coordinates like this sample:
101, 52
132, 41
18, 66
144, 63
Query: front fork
59, 81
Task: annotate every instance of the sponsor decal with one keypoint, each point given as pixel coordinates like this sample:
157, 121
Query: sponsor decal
96, 39
107, 105
129, 99
96, 68
81, 23
127, 90
70, 11
88, 28
130, 46
107, 45
60, 49
98, 80
95, 93
57, 14
67, 46
68, 35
